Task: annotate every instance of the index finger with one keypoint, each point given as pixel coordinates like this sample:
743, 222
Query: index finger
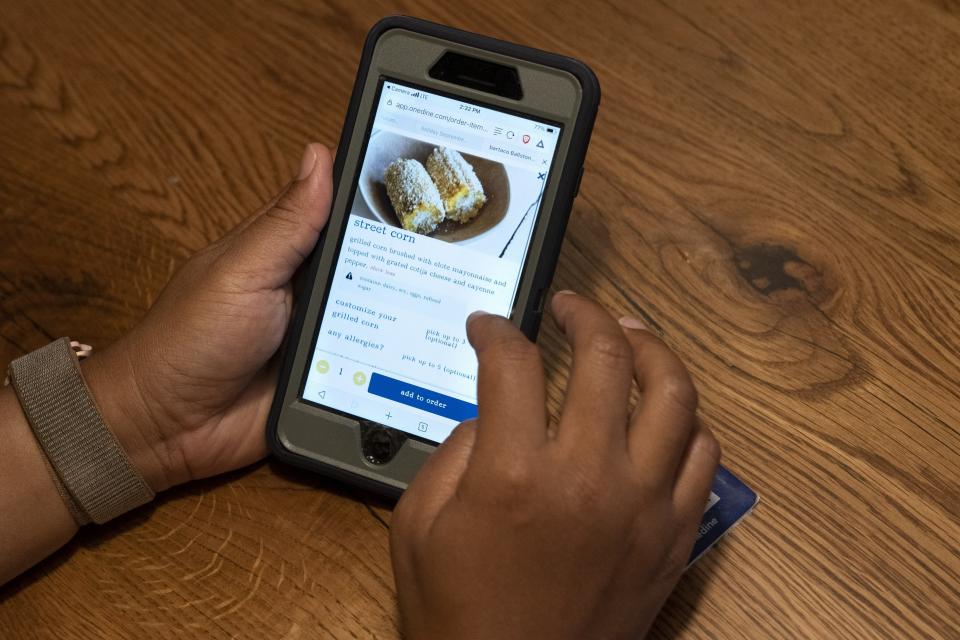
511, 390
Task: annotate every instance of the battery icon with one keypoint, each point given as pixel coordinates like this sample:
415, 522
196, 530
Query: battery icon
549, 129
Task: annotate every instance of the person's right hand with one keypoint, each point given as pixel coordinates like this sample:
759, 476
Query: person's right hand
517, 528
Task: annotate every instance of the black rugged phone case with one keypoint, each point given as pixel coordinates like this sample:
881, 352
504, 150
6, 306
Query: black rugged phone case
545, 262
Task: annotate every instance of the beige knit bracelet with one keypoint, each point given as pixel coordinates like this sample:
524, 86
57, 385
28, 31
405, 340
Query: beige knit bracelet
94, 476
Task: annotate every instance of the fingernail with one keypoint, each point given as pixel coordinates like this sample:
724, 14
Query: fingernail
476, 314
563, 292
632, 323
307, 162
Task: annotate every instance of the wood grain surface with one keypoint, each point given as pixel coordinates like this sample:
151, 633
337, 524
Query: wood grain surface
773, 186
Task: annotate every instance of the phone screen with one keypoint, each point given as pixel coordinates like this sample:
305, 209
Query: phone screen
440, 222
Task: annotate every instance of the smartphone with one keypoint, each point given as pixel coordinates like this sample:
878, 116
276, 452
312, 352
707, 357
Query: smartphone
459, 161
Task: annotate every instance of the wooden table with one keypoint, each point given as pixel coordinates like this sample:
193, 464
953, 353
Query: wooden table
774, 186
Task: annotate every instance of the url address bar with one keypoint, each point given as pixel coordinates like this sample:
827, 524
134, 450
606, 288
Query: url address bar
445, 117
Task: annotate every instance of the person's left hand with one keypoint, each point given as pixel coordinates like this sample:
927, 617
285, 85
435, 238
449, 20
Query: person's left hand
188, 390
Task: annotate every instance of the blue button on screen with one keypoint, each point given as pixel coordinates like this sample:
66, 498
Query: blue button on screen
421, 398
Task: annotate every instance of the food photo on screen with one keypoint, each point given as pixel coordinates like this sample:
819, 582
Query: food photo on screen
446, 193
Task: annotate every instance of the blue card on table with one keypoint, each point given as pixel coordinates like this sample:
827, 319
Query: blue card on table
730, 500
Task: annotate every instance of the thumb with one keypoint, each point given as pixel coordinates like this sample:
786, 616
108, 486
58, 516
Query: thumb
276, 242
437, 481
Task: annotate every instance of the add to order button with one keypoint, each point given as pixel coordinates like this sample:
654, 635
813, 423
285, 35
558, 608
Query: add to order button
420, 398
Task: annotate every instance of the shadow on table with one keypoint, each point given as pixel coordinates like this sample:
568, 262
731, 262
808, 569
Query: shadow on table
323, 483
92, 537
681, 607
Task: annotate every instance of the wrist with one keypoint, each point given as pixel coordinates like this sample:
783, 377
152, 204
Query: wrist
112, 380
